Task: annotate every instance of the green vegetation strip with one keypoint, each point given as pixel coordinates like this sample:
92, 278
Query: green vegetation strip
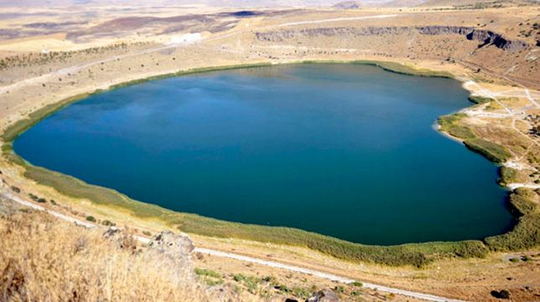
391, 67
524, 235
492, 151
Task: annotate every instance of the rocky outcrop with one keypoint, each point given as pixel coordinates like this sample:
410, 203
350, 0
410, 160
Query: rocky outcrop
173, 251
490, 38
324, 295
485, 37
121, 239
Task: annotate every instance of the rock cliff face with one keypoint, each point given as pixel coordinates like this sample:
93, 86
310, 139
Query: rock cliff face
485, 37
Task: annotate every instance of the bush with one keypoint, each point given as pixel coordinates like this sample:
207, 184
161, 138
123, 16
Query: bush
42, 200
357, 284
108, 223
503, 294
91, 218
15, 189
33, 197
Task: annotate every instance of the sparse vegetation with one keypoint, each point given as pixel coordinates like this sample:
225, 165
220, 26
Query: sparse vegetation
210, 277
43, 259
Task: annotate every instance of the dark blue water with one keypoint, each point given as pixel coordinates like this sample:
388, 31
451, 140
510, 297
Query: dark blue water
343, 150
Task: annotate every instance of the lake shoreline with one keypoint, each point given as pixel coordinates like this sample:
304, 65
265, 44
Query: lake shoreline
16, 129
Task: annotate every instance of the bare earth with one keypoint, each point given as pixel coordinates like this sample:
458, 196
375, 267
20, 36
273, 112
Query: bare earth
48, 55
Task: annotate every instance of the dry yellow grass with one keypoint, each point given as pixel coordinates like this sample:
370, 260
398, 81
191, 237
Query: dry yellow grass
43, 259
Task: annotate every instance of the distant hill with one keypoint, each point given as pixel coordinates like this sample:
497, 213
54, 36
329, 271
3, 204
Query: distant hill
348, 5
473, 2
404, 3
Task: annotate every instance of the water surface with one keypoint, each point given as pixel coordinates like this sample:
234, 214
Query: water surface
342, 150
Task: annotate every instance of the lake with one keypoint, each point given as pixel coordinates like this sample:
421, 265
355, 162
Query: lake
339, 149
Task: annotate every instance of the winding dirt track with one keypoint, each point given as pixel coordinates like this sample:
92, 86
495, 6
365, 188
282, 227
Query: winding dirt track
274, 264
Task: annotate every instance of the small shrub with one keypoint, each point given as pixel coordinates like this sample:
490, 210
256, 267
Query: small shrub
91, 218
42, 200
301, 292
213, 282
147, 233
15, 189
282, 288
514, 260
207, 273
238, 277
357, 284
33, 197
108, 223
269, 279
503, 294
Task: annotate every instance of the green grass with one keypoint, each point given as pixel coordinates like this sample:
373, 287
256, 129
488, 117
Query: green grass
451, 125
207, 273
417, 255
492, 151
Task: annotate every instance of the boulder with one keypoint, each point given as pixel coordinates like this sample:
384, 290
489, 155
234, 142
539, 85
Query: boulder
173, 251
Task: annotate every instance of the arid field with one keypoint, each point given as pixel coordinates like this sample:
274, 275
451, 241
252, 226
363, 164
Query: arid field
53, 56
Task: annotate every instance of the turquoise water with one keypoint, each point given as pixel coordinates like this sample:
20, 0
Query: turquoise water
343, 150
